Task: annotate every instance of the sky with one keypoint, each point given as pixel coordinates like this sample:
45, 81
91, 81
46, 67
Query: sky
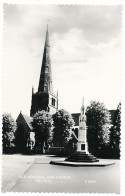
85, 45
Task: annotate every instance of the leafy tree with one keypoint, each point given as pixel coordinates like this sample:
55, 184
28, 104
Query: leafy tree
21, 139
42, 124
97, 126
9, 128
115, 133
63, 123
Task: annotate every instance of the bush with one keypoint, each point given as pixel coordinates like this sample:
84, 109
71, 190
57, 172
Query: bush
9, 128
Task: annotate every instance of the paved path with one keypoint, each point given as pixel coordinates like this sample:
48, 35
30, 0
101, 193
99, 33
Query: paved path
44, 177
13, 166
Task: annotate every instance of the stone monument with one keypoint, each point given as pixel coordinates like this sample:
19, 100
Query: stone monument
82, 157
82, 154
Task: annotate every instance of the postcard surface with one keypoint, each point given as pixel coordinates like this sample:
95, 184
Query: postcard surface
62, 94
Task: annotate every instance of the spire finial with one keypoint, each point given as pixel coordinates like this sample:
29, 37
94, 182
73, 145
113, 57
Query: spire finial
47, 24
82, 108
83, 101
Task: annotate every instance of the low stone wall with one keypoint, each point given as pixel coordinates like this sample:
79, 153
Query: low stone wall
56, 150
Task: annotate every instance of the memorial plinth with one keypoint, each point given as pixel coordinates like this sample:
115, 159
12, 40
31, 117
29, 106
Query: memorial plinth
100, 163
81, 157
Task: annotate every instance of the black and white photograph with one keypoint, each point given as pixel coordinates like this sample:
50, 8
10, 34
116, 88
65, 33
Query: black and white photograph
61, 98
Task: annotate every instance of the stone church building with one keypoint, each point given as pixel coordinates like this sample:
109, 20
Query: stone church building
43, 99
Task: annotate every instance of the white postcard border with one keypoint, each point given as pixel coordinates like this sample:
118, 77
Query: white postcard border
81, 2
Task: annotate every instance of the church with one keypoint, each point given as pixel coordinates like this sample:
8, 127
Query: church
43, 99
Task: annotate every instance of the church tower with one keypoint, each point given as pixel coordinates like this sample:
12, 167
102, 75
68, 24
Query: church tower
44, 99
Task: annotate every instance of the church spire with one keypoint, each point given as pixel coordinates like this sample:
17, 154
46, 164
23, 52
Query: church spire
45, 81
44, 98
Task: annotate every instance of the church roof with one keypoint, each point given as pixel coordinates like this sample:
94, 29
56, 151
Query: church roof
76, 118
28, 120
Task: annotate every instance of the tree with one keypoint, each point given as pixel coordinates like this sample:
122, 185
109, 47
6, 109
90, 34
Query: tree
97, 126
63, 123
21, 139
42, 124
115, 133
9, 128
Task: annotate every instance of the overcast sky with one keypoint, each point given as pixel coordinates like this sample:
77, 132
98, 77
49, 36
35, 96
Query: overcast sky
85, 54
